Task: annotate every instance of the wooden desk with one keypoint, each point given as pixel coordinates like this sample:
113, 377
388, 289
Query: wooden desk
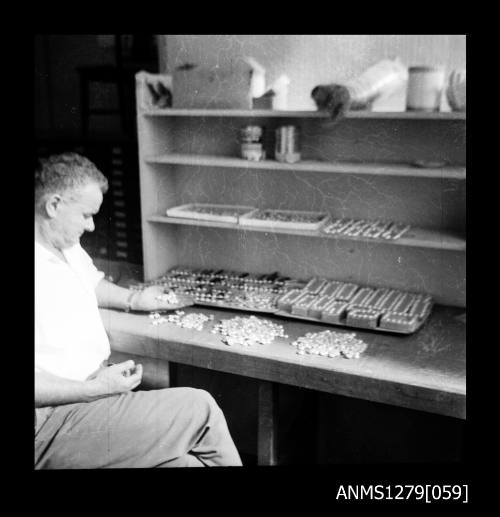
424, 371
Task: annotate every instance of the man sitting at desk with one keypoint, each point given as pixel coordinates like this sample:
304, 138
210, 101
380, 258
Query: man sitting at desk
86, 414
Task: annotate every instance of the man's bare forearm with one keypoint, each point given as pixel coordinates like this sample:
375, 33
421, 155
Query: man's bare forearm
51, 390
111, 295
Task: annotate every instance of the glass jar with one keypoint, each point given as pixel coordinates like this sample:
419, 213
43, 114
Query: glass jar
425, 87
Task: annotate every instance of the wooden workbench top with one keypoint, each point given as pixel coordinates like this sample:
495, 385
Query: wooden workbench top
424, 371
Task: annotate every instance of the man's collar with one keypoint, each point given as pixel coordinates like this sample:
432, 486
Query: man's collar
45, 253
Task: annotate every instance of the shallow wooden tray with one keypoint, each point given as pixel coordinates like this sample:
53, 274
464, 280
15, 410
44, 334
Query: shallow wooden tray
250, 220
188, 211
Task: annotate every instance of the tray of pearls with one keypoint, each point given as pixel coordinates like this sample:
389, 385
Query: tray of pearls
364, 228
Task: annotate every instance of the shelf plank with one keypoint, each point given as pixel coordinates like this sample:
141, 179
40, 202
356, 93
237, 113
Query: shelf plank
376, 169
404, 115
416, 237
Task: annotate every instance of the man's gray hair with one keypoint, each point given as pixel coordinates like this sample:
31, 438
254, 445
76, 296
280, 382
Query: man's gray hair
60, 173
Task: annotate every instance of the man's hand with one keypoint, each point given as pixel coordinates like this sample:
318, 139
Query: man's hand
118, 378
150, 299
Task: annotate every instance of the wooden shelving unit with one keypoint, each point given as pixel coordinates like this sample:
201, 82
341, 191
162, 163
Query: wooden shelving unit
356, 168
359, 167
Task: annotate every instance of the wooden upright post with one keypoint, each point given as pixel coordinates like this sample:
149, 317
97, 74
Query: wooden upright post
267, 424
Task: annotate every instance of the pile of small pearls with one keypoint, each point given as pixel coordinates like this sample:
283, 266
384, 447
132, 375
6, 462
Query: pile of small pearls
188, 321
248, 331
330, 344
169, 297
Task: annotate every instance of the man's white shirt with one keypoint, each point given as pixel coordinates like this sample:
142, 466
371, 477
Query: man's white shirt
70, 339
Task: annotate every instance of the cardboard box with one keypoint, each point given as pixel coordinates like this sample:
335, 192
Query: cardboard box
203, 87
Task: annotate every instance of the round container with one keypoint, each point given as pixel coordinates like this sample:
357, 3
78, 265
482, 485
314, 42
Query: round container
287, 148
252, 151
425, 87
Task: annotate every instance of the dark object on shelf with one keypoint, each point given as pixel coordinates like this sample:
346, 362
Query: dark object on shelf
161, 96
333, 98
264, 102
429, 164
186, 66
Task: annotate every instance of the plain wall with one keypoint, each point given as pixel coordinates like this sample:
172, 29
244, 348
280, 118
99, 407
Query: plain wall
309, 60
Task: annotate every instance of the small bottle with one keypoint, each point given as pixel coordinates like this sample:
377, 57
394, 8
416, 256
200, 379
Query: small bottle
379, 80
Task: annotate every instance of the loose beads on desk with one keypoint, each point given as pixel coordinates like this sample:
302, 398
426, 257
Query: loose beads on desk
248, 331
330, 344
190, 321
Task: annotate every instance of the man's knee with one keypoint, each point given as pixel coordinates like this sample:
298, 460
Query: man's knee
202, 402
203, 408
197, 402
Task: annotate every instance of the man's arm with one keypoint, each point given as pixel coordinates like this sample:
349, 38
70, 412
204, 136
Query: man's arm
149, 299
111, 295
51, 390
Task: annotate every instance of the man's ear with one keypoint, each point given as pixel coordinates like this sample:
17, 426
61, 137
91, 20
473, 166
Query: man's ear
52, 205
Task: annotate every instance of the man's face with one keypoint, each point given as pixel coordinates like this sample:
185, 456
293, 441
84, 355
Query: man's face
74, 215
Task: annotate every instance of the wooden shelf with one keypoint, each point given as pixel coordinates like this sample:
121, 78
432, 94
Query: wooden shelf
376, 169
405, 115
416, 237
